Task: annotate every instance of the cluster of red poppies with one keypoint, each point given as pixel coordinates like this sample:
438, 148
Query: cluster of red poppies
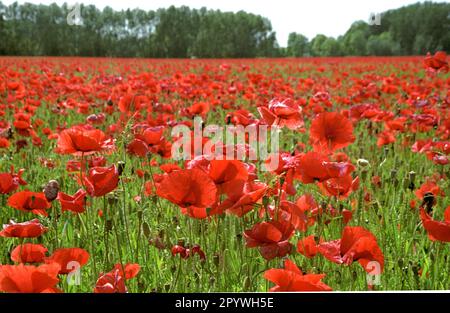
139, 105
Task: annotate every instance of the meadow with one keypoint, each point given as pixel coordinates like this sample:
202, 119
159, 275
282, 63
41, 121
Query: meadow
358, 200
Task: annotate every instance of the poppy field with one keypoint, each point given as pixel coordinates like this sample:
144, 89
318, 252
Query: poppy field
352, 196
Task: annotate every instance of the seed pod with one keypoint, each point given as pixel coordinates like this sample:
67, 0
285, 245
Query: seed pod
363, 163
120, 167
51, 190
216, 259
146, 229
247, 283
112, 199
429, 201
108, 226
412, 176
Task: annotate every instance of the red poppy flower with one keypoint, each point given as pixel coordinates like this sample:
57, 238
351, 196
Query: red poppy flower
73, 203
437, 61
101, 180
198, 108
385, 137
129, 270
228, 175
331, 131
436, 230
9, 182
28, 201
192, 189
312, 168
28, 279
308, 246
347, 216
298, 217
29, 229
291, 278
153, 138
282, 113
4, 143
240, 117
244, 202
65, 256
340, 187
429, 187
29, 253
114, 281
338, 169
80, 140
138, 147
188, 252
272, 237
169, 168
309, 207
356, 244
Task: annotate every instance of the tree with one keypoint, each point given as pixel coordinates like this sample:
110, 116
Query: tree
180, 32
297, 45
382, 44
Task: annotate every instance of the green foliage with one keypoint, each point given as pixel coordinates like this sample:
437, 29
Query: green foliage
29, 29
297, 45
182, 32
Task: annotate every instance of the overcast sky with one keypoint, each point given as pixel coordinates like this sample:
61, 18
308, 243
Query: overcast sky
310, 17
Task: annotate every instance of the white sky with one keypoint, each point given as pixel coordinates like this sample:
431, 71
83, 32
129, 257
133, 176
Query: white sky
310, 17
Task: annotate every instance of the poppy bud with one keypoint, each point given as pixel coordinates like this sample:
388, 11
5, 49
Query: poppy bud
108, 226
10, 133
429, 201
393, 174
363, 163
120, 167
247, 283
112, 199
412, 176
394, 177
51, 190
216, 259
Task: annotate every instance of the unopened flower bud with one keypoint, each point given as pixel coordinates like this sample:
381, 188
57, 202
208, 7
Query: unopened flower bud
247, 283
120, 167
51, 190
363, 163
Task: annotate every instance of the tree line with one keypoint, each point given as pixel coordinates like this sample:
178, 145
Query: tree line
181, 32
410, 30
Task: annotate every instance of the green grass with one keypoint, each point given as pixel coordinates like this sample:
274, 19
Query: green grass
123, 233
